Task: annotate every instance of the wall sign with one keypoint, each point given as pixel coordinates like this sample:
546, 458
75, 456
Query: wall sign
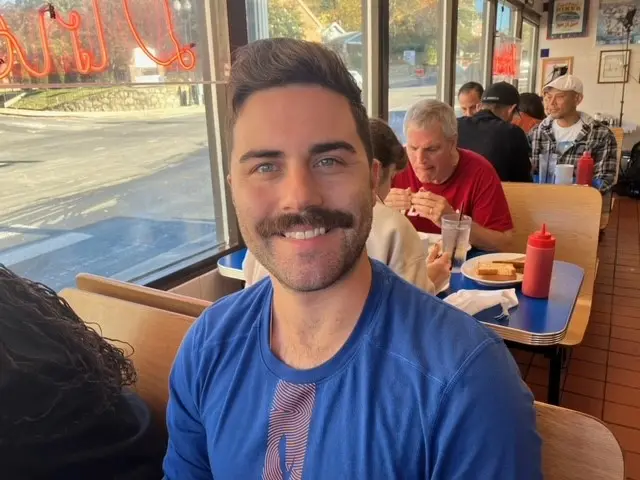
567, 19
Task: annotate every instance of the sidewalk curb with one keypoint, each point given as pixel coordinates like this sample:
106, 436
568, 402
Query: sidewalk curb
137, 114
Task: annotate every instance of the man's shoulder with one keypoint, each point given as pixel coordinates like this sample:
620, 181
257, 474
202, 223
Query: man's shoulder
232, 317
387, 220
426, 333
601, 131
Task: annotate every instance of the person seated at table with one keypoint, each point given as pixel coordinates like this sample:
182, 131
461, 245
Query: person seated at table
569, 133
490, 133
442, 179
469, 97
64, 410
530, 112
392, 240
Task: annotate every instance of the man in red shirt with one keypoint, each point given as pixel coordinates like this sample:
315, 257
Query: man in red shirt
442, 179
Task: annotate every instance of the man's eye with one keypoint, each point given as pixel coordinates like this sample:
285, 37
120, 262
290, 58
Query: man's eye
327, 162
265, 168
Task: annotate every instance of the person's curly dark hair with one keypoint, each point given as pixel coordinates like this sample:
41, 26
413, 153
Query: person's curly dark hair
57, 374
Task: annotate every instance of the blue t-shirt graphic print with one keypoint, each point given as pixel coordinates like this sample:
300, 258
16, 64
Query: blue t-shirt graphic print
289, 422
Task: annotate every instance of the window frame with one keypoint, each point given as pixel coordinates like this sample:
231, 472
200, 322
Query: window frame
233, 34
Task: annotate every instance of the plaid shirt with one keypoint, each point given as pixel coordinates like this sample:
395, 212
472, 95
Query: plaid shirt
594, 137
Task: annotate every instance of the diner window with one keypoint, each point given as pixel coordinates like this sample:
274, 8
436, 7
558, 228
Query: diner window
415, 56
527, 57
470, 54
337, 24
106, 165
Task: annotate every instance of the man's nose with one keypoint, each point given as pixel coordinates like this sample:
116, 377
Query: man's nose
422, 155
300, 189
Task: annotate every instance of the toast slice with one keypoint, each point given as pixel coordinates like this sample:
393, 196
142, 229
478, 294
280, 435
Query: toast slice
518, 263
496, 271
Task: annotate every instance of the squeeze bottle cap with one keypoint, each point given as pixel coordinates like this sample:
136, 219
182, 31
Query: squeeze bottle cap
542, 239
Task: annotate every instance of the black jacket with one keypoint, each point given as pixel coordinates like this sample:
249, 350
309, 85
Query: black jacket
119, 444
505, 145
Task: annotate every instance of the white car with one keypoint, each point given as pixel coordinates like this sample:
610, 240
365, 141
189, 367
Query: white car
357, 77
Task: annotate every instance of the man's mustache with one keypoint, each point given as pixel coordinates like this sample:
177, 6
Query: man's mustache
314, 217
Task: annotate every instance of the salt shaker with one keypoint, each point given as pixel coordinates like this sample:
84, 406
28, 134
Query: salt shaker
538, 265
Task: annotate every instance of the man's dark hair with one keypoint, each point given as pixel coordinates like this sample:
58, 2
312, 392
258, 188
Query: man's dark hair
56, 373
531, 104
278, 62
472, 87
387, 149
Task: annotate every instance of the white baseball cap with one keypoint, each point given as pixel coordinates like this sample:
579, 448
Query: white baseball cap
565, 83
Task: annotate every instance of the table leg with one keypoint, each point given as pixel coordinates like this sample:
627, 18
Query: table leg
555, 373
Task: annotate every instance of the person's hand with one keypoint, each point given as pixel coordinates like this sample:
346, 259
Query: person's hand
399, 199
431, 206
438, 267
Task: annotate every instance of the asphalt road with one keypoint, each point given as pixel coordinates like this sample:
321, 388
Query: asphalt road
103, 195
45, 158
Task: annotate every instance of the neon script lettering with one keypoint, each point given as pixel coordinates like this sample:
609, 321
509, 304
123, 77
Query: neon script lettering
86, 62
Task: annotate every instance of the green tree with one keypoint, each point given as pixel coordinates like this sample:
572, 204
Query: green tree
285, 19
469, 28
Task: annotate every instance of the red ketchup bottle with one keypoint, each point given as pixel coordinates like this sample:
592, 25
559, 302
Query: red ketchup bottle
584, 176
538, 265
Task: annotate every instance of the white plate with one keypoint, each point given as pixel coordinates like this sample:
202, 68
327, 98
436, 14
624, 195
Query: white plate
468, 269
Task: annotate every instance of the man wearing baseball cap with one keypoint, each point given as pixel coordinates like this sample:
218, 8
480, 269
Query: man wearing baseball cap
491, 134
569, 133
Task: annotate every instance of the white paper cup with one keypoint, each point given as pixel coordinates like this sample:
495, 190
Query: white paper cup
564, 174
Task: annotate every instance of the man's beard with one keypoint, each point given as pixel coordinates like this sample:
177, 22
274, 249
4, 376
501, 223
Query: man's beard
333, 266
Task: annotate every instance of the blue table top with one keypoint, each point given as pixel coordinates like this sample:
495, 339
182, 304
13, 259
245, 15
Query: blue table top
231, 265
533, 322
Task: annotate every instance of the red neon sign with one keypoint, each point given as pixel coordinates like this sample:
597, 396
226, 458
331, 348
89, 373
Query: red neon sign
85, 60
505, 60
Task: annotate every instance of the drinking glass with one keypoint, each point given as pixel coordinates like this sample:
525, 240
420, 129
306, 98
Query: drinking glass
455, 238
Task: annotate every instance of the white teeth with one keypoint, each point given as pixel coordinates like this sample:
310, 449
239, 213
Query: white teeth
303, 235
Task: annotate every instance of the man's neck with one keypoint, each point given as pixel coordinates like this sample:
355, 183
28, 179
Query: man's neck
569, 120
308, 329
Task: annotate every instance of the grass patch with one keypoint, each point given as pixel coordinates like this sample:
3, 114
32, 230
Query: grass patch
51, 99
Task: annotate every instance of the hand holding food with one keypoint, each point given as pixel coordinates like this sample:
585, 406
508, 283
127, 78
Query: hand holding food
431, 206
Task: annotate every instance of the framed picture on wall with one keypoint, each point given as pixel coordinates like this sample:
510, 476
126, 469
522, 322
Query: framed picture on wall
613, 66
567, 19
551, 68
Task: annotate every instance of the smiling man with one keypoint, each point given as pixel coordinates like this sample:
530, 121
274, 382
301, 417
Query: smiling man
332, 367
442, 179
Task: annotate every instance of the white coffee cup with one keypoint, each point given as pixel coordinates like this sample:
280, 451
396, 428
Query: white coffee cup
564, 174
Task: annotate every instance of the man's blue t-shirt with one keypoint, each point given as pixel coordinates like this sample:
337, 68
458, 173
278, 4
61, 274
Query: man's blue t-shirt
419, 391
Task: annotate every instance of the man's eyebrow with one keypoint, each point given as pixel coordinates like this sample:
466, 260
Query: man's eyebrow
324, 147
257, 154
316, 149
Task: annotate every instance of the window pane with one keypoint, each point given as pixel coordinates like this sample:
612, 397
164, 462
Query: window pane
525, 80
470, 58
506, 19
336, 23
106, 165
415, 55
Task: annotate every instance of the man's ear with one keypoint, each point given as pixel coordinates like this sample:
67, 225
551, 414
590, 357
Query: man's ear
375, 173
579, 98
229, 179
